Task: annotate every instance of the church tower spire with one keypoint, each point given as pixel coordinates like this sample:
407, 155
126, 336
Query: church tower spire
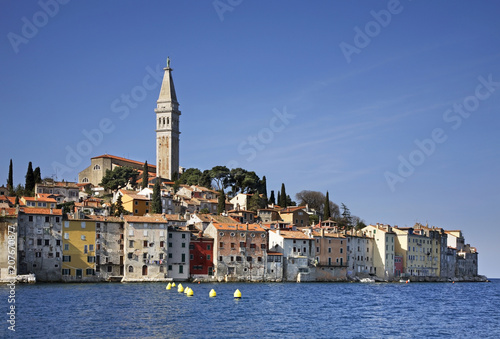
167, 128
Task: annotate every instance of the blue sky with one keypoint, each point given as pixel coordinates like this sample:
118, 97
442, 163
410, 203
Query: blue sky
319, 95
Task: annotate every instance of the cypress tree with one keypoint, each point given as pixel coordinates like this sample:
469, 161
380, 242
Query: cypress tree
30, 180
38, 175
271, 198
263, 188
145, 175
326, 208
221, 203
156, 202
17, 200
278, 202
282, 199
10, 180
119, 210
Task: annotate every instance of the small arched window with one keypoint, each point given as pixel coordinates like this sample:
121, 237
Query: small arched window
130, 269
85, 180
97, 167
168, 121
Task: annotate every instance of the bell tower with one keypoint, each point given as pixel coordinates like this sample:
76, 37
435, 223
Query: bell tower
167, 128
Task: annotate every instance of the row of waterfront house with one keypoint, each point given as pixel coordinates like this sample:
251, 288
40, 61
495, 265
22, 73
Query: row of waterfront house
271, 244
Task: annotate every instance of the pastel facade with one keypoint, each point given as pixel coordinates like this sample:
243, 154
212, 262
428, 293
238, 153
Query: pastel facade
297, 250
359, 254
40, 243
79, 253
145, 248
240, 251
384, 247
295, 215
330, 256
65, 190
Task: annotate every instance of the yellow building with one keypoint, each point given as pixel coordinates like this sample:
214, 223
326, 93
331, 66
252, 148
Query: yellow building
421, 254
135, 203
79, 246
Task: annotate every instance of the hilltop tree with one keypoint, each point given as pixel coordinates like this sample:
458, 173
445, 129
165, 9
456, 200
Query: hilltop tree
278, 202
119, 209
263, 188
345, 221
272, 200
313, 199
10, 180
38, 175
256, 202
29, 186
145, 176
118, 177
191, 176
282, 198
326, 208
221, 202
220, 175
156, 201
290, 202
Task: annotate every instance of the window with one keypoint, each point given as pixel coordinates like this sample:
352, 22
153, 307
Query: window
89, 271
66, 271
208, 257
47, 219
131, 233
83, 237
169, 267
162, 244
30, 218
183, 245
252, 246
66, 247
46, 242
183, 257
169, 244
341, 250
181, 269
38, 254
129, 255
329, 250
233, 245
145, 243
110, 269
183, 236
85, 249
131, 243
90, 259
170, 235
242, 244
263, 246
170, 255
66, 258
220, 258
96, 168
238, 258
39, 242
249, 259
221, 244
259, 259
130, 269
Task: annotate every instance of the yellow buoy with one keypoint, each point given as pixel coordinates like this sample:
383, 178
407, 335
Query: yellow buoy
169, 286
237, 294
190, 292
180, 289
212, 293
173, 284
186, 289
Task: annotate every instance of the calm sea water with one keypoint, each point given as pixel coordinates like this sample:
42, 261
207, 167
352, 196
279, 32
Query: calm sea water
278, 310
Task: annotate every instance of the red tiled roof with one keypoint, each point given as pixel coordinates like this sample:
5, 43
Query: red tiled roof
238, 227
34, 210
122, 159
293, 234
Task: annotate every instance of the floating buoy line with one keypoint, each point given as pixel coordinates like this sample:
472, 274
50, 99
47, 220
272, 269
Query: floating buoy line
189, 291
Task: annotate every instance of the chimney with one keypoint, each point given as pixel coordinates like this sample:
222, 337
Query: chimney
246, 226
322, 232
51, 210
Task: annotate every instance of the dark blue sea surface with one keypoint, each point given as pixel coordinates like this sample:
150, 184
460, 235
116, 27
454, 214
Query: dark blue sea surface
276, 310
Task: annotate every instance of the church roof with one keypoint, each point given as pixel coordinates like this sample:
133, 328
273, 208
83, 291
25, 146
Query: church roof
167, 92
